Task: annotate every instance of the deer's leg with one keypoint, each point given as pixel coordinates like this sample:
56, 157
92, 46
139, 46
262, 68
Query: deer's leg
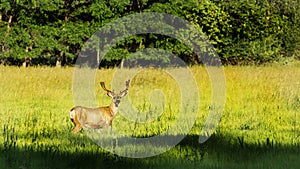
77, 125
76, 129
111, 128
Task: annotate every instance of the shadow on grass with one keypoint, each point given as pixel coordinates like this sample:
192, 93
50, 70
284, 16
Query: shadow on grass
220, 151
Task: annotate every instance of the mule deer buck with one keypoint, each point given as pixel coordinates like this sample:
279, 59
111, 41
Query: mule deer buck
97, 118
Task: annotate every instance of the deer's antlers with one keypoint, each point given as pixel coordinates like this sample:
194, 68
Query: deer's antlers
103, 86
124, 92
110, 92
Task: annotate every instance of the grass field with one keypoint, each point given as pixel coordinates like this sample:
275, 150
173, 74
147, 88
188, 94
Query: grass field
260, 126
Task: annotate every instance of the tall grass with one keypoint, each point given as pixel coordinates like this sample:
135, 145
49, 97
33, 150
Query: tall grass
259, 127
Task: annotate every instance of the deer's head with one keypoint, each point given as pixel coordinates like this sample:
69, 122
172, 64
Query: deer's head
116, 97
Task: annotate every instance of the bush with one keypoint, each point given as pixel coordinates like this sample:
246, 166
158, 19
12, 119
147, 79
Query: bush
261, 31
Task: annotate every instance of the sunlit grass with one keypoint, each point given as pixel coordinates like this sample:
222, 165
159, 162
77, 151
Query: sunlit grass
262, 103
262, 109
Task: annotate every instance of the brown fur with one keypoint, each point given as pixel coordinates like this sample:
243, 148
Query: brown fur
96, 118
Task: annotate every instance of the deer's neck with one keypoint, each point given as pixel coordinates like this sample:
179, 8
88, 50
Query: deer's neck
113, 109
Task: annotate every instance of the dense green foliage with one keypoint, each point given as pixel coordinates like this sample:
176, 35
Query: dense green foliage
242, 31
257, 130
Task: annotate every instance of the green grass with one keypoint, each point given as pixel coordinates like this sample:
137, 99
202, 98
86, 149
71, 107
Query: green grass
259, 127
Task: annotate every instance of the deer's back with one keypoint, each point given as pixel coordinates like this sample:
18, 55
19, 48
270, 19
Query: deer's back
89, 117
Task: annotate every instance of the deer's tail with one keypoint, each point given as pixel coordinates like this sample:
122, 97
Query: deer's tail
72, 114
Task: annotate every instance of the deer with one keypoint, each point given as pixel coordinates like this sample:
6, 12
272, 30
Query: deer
100, 117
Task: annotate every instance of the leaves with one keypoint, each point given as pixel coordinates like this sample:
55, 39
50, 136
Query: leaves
59, 28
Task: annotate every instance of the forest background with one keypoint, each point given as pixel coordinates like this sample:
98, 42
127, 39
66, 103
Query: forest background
243, 32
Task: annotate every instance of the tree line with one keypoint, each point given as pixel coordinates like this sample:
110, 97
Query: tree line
53, 32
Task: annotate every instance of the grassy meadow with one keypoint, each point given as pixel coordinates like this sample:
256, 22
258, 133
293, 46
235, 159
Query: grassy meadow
260, 125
